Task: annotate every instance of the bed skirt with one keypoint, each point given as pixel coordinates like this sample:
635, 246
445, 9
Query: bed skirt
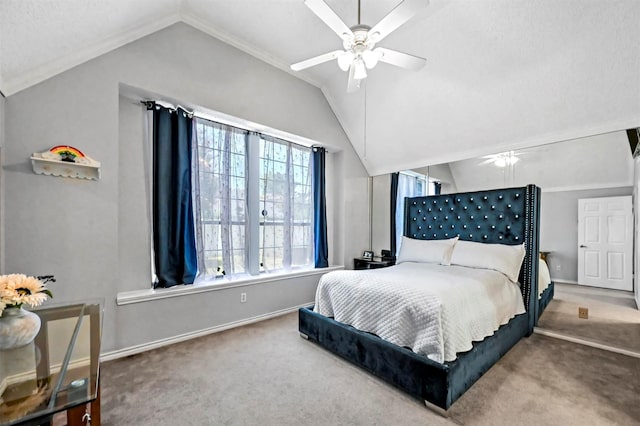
439, 384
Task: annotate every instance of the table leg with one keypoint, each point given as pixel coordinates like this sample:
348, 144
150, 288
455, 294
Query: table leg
75, 415
95, 408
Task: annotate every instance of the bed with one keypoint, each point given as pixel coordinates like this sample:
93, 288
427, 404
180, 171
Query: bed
505, 216
545, 286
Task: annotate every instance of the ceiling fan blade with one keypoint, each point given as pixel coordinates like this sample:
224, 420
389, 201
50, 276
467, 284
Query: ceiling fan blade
400, 59
329, 17
317, 60
398, 16
352, 84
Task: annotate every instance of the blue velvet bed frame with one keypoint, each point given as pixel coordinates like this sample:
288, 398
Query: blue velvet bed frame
505, 216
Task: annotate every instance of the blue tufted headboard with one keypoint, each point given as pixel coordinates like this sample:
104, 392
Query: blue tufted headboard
502, 216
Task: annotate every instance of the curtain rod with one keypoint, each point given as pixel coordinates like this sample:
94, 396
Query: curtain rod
234, 123
151, 104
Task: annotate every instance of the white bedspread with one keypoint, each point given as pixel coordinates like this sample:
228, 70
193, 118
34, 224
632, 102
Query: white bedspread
435, 310
544, 277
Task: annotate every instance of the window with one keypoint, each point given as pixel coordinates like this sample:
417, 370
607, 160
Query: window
253, 202
220, 198
286, 234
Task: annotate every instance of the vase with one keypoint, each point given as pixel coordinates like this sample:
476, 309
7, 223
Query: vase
18, 327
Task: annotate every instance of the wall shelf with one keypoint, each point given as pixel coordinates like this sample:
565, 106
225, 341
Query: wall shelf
65, 161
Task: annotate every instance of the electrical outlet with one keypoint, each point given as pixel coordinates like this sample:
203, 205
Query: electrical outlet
583, 313
558, 267
243, 297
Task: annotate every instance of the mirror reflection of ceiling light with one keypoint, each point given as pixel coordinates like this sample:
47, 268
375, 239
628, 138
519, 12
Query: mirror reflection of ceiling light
505, 159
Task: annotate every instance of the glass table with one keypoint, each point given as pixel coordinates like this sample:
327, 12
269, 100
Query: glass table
58, 371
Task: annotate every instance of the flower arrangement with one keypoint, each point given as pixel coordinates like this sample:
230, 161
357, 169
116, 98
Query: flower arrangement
18, 289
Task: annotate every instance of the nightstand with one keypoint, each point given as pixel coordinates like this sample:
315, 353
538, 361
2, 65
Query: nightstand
361, 263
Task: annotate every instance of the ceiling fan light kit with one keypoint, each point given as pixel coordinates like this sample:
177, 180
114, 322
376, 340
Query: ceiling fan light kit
359, 41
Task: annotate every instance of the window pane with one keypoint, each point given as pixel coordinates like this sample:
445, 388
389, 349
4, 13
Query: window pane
222, 177
285, 193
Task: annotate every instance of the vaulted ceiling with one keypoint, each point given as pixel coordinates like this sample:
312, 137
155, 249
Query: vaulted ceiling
501, 74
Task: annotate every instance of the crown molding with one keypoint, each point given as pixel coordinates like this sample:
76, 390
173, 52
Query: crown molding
242, 45
14, 85
589, 187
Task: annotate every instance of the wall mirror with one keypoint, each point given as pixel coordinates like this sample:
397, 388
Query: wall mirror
590, 167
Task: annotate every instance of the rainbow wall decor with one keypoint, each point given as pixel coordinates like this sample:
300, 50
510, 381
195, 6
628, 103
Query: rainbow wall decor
65, 161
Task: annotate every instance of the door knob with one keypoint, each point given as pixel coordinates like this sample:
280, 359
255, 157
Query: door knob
583, 246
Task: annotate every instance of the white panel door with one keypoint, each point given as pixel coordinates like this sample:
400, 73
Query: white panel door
605, 242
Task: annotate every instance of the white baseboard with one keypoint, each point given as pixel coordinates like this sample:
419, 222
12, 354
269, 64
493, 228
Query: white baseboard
133, 350
586, 342
563, 281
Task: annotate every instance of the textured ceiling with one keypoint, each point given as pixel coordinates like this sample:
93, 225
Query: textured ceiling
500, 73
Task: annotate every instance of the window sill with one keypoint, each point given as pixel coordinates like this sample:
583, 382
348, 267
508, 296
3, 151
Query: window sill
139, 296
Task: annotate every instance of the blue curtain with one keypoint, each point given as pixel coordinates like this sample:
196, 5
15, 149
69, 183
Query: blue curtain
173, 229
393, 203
321, 246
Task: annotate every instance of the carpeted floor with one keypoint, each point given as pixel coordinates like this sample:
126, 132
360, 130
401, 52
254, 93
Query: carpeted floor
265, 374
611, 322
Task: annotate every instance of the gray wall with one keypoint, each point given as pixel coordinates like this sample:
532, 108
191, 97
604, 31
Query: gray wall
2, 133
636, 224
93, 236
559, 228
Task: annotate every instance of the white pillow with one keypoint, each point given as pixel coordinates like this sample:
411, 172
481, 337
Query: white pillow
498, 257
426, 251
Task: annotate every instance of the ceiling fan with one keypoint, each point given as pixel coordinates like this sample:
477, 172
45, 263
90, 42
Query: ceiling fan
359, 41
